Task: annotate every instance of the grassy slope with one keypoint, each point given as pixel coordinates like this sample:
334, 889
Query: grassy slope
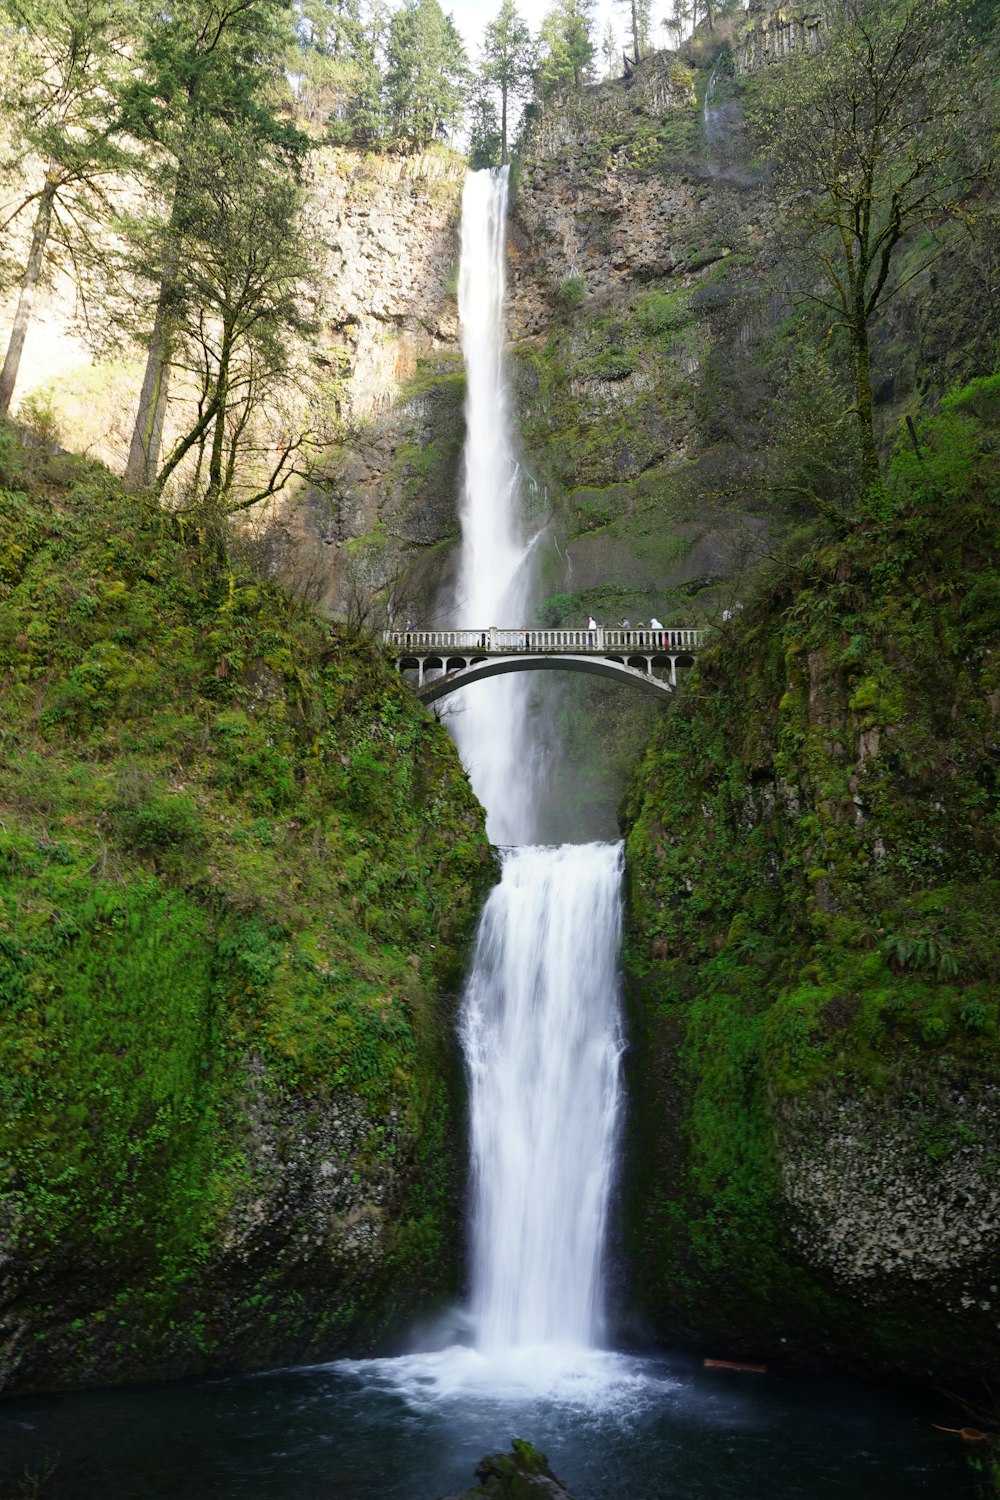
226, 834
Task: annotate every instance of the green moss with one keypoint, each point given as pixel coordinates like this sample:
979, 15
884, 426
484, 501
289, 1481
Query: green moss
812, 852
231, 840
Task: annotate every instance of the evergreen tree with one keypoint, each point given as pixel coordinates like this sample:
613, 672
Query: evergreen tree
203, 64
634, 7
609, 50
64, 60
326, 60
428, 71
508, 63
567, 45
484, 128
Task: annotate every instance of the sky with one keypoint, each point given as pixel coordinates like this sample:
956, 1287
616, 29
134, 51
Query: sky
470, 16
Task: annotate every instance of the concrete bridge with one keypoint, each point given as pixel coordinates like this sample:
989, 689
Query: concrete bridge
647, 659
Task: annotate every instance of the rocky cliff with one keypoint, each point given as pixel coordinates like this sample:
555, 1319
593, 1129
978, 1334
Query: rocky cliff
774, 30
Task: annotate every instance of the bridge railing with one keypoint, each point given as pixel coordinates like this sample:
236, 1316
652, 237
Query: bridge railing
497, 641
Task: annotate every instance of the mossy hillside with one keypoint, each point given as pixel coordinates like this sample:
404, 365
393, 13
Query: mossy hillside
239, 863
812, 858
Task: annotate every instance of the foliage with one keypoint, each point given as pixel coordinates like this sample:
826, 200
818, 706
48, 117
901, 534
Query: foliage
864, 132
566, 46
61, 68
206, 92
427, 71
812, 852
236, 855
508, 63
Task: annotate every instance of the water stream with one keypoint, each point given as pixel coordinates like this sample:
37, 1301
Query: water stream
541, 1030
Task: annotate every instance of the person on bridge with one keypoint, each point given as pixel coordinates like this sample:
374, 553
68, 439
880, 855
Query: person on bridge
591, 626
655, 624
627, 629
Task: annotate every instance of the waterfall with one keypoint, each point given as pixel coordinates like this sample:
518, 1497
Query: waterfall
540, 1020
540, 1034
490, 722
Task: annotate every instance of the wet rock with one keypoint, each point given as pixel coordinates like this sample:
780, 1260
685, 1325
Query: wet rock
522, 1474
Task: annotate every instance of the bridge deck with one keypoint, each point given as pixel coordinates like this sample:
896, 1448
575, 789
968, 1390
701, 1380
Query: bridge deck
576, 642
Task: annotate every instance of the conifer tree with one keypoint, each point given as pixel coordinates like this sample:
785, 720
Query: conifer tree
609, 50
567, 45
508, 63
428, 71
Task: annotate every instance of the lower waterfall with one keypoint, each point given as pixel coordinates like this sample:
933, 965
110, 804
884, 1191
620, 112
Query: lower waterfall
541, 1037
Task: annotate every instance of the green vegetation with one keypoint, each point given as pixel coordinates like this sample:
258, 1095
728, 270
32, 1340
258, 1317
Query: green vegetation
812, 858
872, 174
238, 863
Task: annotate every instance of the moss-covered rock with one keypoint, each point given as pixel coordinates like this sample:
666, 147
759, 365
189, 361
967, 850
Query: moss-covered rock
813, 867
522, 1474
238, 863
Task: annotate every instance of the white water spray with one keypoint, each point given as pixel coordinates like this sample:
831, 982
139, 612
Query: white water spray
489, 721
541, 1041
540, 1021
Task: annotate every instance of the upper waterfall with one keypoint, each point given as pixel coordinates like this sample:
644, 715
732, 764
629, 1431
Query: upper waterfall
494, 577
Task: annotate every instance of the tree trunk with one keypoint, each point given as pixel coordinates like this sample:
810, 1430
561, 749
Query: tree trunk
635, 32
147, 434
503, 126
871, 469
32, 271
219, 432
710, 13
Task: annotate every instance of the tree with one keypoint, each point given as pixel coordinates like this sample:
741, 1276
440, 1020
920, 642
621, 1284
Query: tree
428, 71
60, 82
677, 21
567, 45
508, 62
639, 16
862, 134
325, 58
609, 49
484, 128
201, 61
245, 260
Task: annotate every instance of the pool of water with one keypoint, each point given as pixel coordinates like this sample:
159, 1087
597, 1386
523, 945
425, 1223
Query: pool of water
613, 1425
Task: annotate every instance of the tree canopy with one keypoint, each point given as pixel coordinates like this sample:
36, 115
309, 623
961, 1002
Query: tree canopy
427, 73
567, 45
864, 134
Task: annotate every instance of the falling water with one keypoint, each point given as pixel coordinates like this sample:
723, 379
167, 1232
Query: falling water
490, 723
540, 1021
541, 1041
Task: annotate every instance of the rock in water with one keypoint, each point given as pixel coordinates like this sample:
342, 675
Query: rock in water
523, 1474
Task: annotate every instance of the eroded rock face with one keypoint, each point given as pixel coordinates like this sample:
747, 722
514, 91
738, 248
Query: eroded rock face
586, 204
389, 230
776, 30
899, 1189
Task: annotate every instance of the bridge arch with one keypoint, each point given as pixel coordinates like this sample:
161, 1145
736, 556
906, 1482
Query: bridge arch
463, 675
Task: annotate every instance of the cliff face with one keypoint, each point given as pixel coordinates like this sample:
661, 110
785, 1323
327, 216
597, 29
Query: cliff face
384, 231
812, 855
775, 30
239, 863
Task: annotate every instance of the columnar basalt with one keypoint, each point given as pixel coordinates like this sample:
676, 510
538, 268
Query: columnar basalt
775, 30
